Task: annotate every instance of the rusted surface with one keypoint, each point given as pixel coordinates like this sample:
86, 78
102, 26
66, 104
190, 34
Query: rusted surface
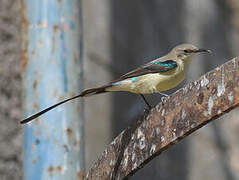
182, 113
69, 131
51, 170
80, 175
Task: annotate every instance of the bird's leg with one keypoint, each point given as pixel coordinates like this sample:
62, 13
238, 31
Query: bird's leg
146, 102
163, 94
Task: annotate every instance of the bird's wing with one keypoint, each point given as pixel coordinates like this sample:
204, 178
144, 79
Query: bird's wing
151, 67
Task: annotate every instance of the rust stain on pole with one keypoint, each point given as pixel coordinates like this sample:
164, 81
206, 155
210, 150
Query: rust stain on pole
182, 113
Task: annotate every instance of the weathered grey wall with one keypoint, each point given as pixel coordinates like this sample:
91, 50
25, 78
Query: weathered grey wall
10, 90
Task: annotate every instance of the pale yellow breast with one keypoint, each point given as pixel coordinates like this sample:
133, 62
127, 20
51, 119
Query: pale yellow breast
169, 81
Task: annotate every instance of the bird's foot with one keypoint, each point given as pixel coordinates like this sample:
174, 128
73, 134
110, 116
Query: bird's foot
164, 99
163, 94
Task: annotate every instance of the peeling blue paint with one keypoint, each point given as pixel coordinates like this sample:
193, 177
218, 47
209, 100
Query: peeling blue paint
51, 51
63, 60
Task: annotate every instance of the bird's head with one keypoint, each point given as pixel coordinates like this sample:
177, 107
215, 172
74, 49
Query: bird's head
186, 51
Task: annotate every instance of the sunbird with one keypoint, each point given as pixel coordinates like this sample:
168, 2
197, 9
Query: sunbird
161, 74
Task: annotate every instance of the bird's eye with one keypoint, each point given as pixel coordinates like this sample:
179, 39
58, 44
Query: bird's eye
186, 51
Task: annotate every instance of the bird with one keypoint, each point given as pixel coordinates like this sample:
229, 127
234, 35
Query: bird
161, 74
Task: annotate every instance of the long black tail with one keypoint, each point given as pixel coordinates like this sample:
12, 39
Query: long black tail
87, 92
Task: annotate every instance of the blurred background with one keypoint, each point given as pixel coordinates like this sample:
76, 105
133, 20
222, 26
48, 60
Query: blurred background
119, 36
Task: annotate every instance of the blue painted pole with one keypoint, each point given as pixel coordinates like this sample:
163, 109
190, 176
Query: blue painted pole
52, 71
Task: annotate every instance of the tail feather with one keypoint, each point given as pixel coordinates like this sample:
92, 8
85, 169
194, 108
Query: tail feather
94, 91
85, 93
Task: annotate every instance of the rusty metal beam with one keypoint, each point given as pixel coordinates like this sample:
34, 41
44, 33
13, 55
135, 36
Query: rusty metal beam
181, 114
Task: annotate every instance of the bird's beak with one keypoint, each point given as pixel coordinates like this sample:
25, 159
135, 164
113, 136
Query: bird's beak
202, 50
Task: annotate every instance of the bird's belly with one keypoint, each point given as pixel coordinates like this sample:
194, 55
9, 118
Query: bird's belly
149, 83
159, 82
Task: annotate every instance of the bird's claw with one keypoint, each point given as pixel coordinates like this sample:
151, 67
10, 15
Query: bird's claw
164, 99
